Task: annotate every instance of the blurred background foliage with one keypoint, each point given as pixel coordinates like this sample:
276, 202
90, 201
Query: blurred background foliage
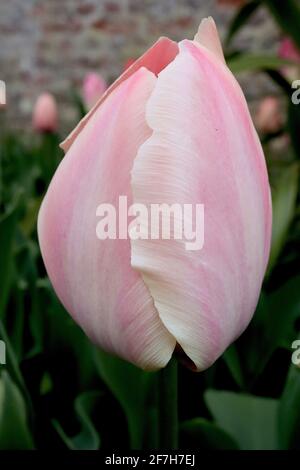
58, 391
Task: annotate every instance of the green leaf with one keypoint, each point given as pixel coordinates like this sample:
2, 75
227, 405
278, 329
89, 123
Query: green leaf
50, 155
272, 328
13, 364
46, 384
88, 438
289, 411
279, 79
206, 435
284, 310
251, 62
14, 430
7, 230
284, 201
294, 125
255, 346
61, 336
27, 258
233, 363
29, 221
250, 420
239, 20
78, 103
287, 15
131, 387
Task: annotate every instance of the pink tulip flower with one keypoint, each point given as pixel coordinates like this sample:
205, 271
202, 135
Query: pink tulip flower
45, 114
269, 118
174, 128
93, 88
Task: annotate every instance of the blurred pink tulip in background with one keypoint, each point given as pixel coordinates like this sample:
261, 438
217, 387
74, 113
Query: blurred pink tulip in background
45, 113
269, 118
93, 88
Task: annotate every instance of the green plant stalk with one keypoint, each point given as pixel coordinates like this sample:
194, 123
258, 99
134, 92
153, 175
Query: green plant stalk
168, 406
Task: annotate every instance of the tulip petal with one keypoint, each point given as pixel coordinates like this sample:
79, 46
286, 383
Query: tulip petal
94, 278
204, 150
155, 60
208, 37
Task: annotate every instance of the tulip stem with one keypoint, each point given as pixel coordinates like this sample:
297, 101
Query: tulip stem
168, 406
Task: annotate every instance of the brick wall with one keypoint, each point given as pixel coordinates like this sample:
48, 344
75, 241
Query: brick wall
51, 44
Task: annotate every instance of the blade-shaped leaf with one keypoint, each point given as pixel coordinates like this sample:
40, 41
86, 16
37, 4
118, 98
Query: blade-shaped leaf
14, 429
251, 62
283, 201
88, 438
250, 420
255, 346
13, 364
284, 310
294, 126
131, 387
273, 327
289, 412
7, 229
206, 435
233, 363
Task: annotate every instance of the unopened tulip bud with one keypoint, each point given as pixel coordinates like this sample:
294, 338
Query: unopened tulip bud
93, 88
45, 114
269, 118
173, 130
